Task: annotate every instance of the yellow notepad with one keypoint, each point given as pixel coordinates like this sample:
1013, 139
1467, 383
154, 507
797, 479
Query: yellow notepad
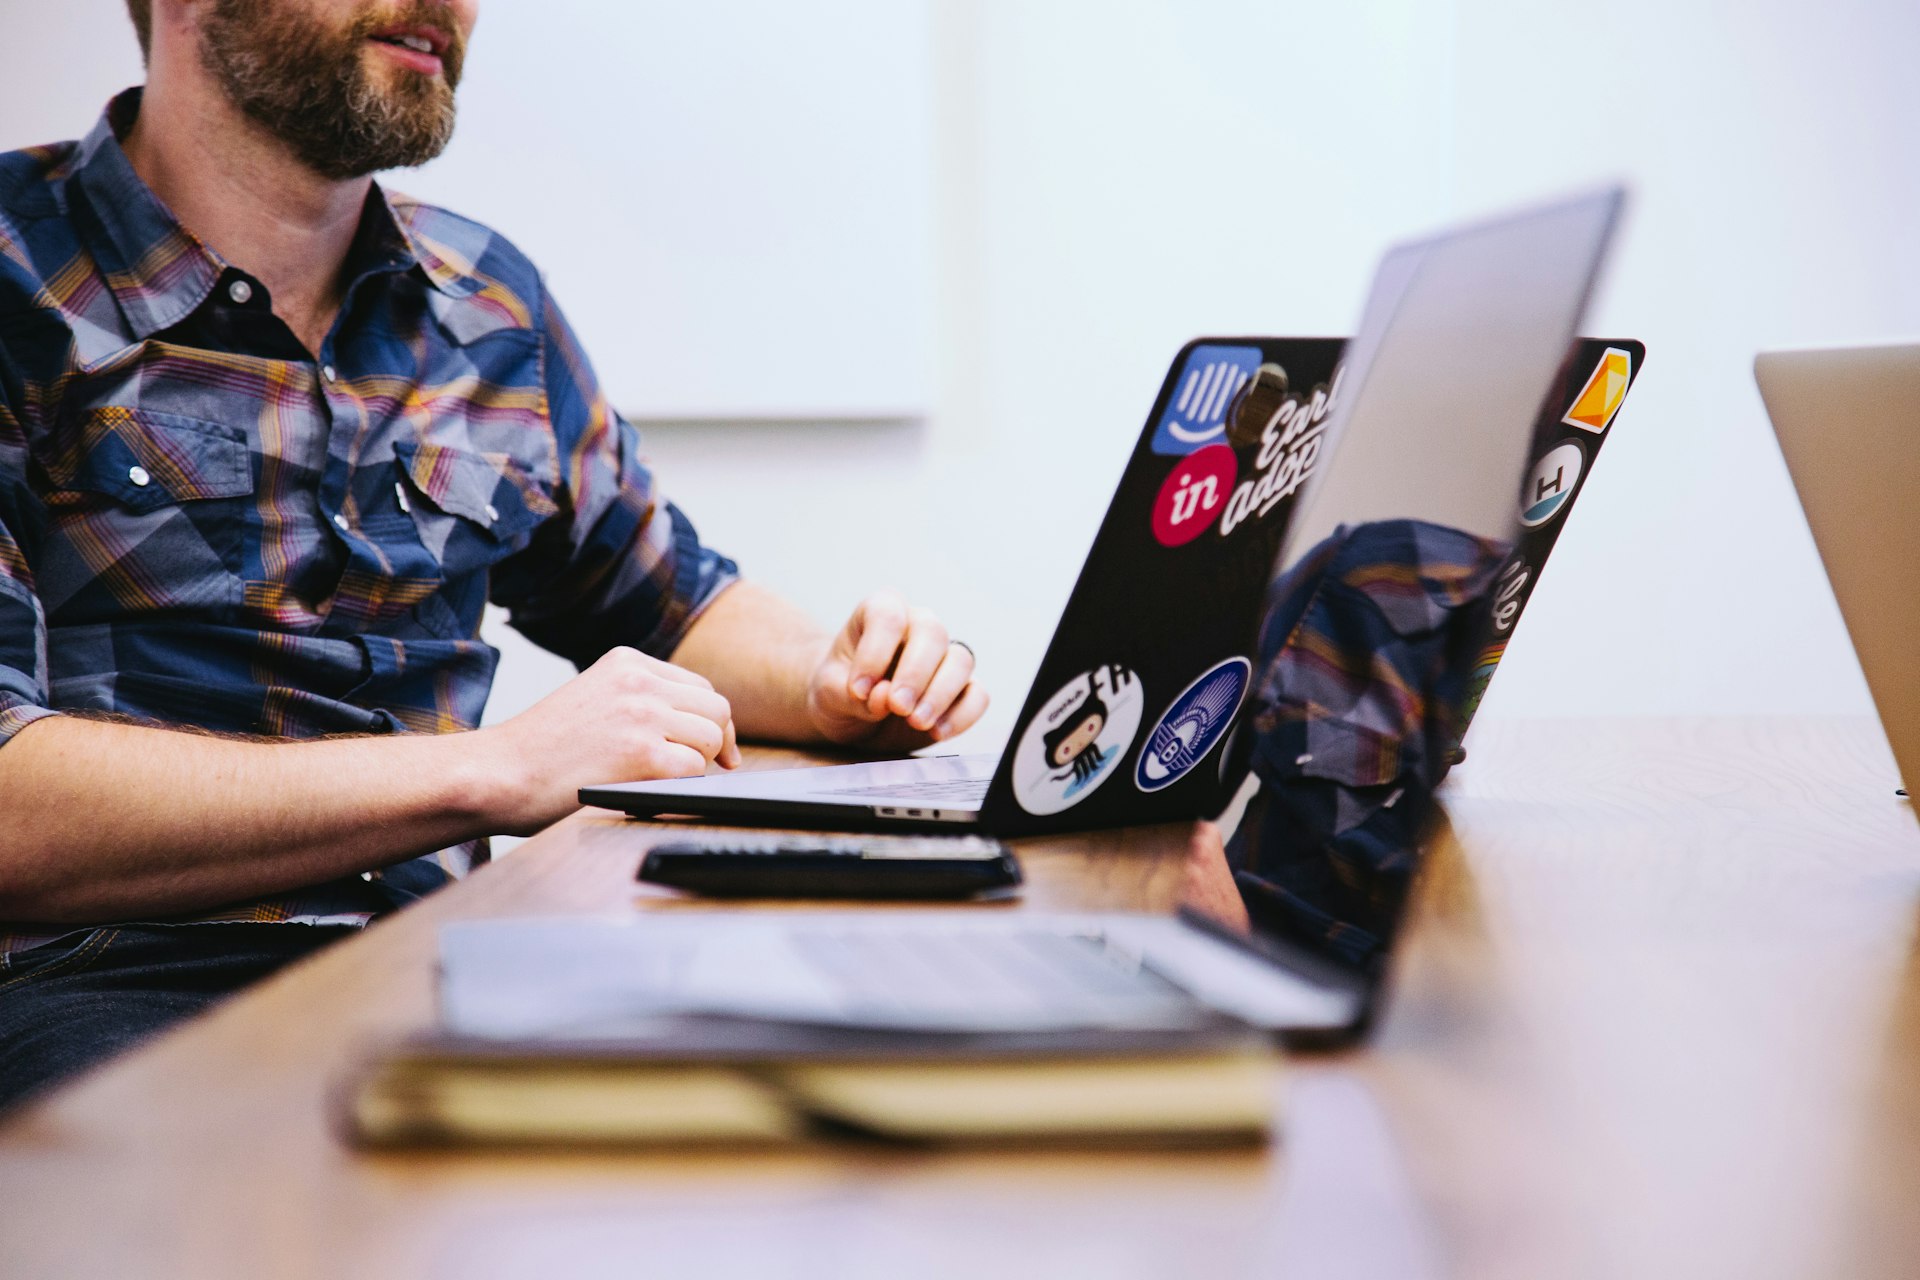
798, 1085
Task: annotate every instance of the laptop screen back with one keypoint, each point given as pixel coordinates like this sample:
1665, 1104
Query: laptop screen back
1459, 344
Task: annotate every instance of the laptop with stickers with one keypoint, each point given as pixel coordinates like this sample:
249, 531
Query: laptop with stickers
1440, 393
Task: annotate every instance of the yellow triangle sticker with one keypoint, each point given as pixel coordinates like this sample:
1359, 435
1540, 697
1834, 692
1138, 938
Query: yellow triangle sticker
1599, 400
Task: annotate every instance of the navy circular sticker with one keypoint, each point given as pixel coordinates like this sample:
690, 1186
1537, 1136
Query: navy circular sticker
1193, 725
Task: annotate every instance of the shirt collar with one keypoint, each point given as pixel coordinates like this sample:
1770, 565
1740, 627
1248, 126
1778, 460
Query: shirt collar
440, 264
159, 272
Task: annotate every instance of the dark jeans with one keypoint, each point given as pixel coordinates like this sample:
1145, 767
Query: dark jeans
72, 1003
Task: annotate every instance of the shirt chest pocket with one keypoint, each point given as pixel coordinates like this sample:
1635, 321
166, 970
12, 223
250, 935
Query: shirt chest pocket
470, 510
146, 511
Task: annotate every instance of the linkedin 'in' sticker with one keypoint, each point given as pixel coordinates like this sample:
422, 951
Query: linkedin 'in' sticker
1196, 414
1193, 725
1076, 741
1551, 482
1193, 494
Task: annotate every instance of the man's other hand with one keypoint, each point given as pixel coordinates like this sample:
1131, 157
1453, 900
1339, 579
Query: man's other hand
626, 718
894, 679
1207, 884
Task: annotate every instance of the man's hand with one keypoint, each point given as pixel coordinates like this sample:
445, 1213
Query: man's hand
893, 679
1207, 880
626, 718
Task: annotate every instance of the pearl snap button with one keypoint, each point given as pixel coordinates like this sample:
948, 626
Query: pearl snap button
326, 371
341, 521
241, 292
400, 492
492, 514
139, 476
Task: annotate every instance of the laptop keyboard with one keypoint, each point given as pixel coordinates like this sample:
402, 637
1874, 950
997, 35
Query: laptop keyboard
1014, 971
942, 789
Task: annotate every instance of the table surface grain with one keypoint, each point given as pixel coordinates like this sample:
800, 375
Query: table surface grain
1657, 1013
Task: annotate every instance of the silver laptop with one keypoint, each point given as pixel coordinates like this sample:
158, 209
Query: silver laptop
1427, 407
1846, 419
1430, 430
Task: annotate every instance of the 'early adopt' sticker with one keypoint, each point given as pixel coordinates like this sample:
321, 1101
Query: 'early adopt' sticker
1193, 725
1193, 494
1197, 413
1077, 739
1551, 482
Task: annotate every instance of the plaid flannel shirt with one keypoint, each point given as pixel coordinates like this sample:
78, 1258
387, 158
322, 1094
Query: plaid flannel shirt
202, 524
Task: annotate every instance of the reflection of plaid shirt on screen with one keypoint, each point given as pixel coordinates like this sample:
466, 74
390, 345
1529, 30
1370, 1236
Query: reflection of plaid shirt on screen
1367, 651
202, 524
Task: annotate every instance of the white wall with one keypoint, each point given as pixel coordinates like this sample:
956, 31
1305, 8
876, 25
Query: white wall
764, 167
1111, 178
59, 63
1779, 192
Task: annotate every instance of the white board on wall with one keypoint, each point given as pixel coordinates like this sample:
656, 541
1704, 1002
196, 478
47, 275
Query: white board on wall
731, 199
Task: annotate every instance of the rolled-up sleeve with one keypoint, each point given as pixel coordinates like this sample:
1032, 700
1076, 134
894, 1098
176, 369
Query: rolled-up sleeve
620, 565
23, 623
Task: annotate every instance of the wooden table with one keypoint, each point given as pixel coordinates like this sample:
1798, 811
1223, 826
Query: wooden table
1658, 1014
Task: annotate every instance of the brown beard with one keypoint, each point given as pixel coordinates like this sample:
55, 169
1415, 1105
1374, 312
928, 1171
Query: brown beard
310, 87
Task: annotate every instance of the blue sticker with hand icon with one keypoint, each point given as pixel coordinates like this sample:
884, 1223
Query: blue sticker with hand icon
1197, 411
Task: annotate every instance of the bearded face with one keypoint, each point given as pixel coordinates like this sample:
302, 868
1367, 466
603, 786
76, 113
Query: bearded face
349, 97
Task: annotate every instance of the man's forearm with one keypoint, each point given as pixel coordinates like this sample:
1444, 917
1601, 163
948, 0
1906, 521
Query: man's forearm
99, 819
760, 650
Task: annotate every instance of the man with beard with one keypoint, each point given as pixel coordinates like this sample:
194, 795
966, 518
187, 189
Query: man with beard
270, 438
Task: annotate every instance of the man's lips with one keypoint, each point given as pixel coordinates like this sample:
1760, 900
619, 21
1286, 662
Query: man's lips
417, 47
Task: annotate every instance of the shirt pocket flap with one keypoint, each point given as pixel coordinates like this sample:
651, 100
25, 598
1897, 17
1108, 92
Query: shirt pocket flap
1349, 754
496, 494
1305, 742
147, 460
